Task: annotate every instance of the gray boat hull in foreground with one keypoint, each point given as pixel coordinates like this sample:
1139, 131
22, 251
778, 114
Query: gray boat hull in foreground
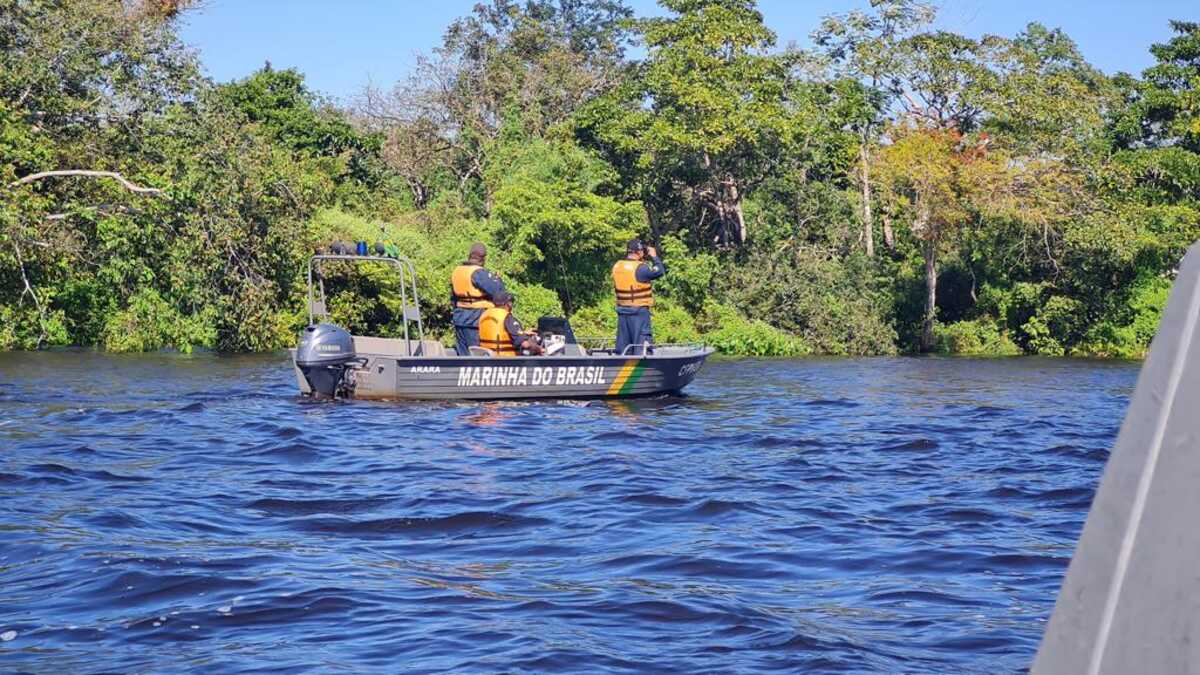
1131, 599
599, 375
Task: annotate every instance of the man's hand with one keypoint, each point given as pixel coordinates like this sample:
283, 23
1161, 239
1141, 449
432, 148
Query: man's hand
651, 251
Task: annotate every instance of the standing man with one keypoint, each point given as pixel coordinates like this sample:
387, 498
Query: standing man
500, 331
471, 291
631, 280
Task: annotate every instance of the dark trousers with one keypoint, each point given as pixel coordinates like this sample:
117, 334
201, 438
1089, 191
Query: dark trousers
466, 336
633, 328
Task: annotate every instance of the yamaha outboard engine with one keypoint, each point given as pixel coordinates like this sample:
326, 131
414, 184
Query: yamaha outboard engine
325, 357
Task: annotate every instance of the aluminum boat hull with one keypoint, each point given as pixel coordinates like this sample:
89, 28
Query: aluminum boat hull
385, 376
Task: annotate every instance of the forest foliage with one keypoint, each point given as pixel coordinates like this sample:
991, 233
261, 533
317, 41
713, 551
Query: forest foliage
894, 188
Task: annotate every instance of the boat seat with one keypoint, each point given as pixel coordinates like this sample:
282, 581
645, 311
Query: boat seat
479, 351
431, 348
573, 349
395, 347
379, 346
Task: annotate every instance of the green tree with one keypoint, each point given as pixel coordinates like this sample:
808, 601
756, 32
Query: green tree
1162, 110
1121, 260
928, 180
532, 63
138, 209
1043, 114
866, 46
555, 227
297, 119
705, 119
76, 82
1157, 132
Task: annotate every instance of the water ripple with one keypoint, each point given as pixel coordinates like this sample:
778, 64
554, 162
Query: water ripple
166, 513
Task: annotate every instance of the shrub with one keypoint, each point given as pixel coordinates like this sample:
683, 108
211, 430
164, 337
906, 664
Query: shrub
21, 327
1039, 339
1126, 333
755, 338
835, 306
978, 337
150, 323
734, 334
597, 321
673, 323
690, 276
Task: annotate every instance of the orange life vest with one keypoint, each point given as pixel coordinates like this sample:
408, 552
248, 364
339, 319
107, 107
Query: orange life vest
492, 333
630, 291
466, 294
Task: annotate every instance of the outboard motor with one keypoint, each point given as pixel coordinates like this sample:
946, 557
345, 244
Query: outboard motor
325, 357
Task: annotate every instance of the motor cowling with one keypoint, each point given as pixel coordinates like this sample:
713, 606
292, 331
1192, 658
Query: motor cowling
324, 355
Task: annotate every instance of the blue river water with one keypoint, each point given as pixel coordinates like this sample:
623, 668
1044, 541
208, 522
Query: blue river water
170, 513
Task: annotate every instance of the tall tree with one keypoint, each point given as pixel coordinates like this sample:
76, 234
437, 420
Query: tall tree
1156, 138
937, 179
528, 63
866, 46
1045, 111
705, 119
298, 119
930, 169
1157, 133
1163, 110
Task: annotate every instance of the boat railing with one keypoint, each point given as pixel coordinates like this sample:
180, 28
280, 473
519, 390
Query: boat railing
594, 342
601, 345
410, 311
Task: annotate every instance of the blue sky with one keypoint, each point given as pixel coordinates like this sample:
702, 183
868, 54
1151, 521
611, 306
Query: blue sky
341, 47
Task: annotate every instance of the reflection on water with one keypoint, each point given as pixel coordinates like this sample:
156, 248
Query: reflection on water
489, 414
166, 512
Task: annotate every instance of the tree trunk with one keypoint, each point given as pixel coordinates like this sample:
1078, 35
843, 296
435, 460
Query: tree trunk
889, 237
419, 194
739, 219
725, 200
868, 224
929, 251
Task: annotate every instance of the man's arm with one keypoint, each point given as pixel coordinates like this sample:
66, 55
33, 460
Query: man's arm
487, 282
651, 268
519, 339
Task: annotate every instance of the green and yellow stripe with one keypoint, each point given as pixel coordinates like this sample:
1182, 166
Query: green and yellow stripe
630, 373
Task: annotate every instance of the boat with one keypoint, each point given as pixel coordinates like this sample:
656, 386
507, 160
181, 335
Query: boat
330, 362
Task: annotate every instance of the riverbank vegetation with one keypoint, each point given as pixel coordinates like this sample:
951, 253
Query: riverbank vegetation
894, 188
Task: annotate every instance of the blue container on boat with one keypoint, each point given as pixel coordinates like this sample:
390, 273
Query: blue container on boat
362, 248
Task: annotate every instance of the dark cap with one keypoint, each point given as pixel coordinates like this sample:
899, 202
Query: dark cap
503, 298
634, 245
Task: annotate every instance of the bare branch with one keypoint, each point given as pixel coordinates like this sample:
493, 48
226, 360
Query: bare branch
31, 293
291, 195
24, 95
91, 174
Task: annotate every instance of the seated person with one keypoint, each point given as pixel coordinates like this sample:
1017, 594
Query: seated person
500, 331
